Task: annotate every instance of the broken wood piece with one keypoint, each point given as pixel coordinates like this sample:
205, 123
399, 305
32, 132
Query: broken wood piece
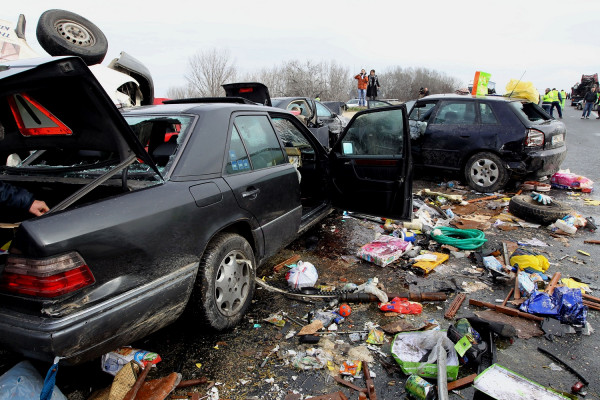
591, 241
592, 305
508, 297
192, 382
553, 282
455, 305
516, 289
289, 261
590, 297
348, 384
505, 310
483, 199
462, 382
138, 384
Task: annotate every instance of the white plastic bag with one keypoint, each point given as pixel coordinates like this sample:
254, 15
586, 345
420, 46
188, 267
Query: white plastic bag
304, 274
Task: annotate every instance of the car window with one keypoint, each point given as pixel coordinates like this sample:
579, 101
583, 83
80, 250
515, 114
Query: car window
302, 104
238, 157
323, 111
529, 112
451, 113
260, 141
487, 114
375, 134
290, 135
421, 111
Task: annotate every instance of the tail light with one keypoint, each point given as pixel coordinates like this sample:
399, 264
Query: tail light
47, 277
534, 138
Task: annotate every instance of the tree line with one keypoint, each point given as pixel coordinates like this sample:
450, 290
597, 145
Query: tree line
207, 70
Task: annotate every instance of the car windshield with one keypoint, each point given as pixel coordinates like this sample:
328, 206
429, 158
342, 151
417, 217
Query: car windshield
530, 112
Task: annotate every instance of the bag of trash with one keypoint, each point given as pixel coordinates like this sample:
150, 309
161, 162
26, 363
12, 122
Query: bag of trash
115, 360
524, 258
522, 90
304, 274
24, 382
416, 353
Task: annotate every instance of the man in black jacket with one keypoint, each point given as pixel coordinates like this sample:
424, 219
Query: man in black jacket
589, 99
12, 196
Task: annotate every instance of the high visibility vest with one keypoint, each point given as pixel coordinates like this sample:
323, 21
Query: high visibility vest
553, 95
564, 95
546, 98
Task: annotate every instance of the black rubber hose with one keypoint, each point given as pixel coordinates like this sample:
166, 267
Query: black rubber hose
567, 366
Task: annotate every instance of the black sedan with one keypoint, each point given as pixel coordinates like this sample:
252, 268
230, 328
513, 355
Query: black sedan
488, 139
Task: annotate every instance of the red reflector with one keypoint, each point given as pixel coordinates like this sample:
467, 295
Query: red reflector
33, 119
47, 286
247, 90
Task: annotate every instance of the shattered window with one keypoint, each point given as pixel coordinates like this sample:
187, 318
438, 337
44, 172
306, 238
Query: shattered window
421, 111
289, 134
529, 112
379, 133
260, 140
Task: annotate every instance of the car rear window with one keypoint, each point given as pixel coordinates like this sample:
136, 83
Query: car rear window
529, 112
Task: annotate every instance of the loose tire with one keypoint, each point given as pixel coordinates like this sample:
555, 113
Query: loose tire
525, 207
225, 282
63, 33
485, 172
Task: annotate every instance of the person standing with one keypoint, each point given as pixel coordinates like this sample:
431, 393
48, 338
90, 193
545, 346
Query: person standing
363, 80
556, 100
547, 101
564, 99
588, 102
372, 86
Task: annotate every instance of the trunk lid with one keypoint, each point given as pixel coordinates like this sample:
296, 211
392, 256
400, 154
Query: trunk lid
253, 91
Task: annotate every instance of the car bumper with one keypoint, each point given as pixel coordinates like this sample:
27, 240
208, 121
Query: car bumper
539, 163
100, 328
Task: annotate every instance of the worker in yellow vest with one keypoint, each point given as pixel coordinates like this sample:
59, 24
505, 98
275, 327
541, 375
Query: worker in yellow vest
556, 98
564, 99
547, 101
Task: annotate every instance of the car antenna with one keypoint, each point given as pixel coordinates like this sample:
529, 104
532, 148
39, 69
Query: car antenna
511, 93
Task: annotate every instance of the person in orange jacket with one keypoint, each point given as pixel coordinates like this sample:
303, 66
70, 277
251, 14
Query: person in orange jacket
363, 80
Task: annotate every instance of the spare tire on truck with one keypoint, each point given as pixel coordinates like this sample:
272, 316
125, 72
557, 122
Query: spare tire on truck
525, 207
63, 33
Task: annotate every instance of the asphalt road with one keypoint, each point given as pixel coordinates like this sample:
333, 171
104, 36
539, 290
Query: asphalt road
236, 358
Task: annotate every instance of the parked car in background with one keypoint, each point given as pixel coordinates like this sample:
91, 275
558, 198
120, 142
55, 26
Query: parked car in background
63, 33
352, 103
321, 121
164, 206
487, 139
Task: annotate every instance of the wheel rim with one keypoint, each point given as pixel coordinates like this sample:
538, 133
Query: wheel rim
484, 172
232, 283
75, 33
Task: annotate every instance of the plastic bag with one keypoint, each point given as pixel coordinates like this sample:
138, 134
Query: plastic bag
567, 180
524, 259
24, 382
565, 304
522, 90
304, 274
402, 306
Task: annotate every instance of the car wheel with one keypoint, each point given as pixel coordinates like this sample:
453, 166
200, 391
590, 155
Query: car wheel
485, 172
525, 207
225, 282
63, 33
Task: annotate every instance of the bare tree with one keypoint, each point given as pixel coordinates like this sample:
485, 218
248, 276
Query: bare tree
208, 70
181, 92
404, 83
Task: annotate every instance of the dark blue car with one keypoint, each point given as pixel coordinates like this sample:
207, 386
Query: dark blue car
488, 139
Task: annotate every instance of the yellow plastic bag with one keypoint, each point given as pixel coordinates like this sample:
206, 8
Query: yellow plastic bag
539, 263
573, 284
522, 90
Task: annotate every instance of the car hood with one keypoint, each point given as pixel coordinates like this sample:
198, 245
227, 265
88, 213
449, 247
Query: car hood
64, 90
253, 91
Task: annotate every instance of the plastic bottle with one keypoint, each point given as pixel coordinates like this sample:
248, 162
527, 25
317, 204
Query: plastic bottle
565, 226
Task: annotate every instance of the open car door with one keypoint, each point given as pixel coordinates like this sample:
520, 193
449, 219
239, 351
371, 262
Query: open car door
371, 167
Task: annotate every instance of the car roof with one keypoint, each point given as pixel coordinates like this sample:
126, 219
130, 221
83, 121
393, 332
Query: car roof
453, 96
195, 108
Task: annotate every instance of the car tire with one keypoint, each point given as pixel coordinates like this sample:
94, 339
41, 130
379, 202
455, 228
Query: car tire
525, 207
485, 172
63, 33
225, 282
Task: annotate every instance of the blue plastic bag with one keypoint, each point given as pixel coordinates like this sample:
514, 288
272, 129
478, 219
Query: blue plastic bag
24, 382
565, 304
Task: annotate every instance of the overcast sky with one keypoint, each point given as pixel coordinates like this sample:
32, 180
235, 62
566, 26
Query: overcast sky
555, 42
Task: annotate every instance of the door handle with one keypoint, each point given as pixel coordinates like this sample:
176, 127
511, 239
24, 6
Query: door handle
250, 193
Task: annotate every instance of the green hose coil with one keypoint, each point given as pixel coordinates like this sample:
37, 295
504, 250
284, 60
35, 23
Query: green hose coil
465, 239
